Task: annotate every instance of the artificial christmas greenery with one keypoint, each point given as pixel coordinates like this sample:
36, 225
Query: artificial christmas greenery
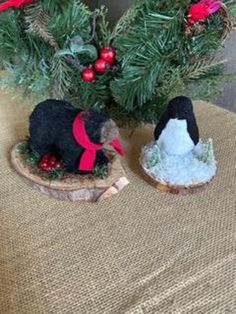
160, 53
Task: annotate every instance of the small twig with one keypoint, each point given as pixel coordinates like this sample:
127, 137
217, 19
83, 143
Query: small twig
75, 62
94, 24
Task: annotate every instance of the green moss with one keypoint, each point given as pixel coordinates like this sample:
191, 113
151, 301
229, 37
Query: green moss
32, 158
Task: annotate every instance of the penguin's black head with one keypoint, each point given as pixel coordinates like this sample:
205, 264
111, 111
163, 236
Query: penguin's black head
180, 107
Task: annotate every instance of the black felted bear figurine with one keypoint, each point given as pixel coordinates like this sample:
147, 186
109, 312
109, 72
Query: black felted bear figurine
76, 137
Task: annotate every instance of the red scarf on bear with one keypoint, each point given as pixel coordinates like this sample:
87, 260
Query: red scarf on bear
89, 155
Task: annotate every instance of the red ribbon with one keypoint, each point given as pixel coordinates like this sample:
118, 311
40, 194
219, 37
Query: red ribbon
14, 4
88, 157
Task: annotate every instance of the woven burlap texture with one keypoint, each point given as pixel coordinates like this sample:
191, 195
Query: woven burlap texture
140, 252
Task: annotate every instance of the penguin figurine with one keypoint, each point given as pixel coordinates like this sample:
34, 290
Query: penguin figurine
177, 132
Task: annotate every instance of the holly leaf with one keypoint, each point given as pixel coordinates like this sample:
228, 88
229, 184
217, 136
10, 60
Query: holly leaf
64, 52
77, 40
88, 50
75, 48
75, 43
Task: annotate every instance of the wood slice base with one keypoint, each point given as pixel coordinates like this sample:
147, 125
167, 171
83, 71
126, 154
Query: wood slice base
173, 189
73, 187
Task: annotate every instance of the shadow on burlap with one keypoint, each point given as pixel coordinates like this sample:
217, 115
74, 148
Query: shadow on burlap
136, 253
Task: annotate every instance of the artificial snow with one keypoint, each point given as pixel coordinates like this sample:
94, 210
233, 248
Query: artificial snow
195, 167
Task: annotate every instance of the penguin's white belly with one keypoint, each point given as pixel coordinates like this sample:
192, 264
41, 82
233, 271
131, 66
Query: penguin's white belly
175, 139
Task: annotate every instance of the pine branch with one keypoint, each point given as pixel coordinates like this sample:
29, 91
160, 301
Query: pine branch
94, 95
143, 67
125, 22
103, 30
11, 36
74, 19
61, 75
201, 68
94, 24
37, 21
146, 30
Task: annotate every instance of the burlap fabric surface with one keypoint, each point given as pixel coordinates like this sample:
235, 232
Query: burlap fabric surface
136, 253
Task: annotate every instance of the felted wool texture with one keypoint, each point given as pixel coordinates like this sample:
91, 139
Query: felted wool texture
137, 252
52, 130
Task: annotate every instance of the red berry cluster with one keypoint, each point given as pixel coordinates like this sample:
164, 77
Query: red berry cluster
107, 59
48, 162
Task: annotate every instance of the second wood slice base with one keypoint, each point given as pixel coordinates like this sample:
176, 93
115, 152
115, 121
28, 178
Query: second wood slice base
174, 189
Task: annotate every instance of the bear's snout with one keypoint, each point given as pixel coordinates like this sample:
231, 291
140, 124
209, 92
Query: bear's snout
109, 132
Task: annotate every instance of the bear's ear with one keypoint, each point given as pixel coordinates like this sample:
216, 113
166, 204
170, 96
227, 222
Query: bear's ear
109, 131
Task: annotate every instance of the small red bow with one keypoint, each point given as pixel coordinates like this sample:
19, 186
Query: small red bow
202, 10
14, 4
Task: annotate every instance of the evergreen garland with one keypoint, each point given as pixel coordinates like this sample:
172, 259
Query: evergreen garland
46, 46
